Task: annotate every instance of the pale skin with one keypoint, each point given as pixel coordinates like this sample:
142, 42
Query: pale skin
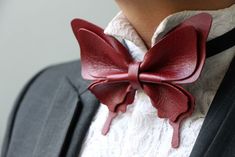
145, 15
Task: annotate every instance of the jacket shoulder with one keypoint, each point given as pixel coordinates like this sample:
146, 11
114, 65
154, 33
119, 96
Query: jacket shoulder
36, 95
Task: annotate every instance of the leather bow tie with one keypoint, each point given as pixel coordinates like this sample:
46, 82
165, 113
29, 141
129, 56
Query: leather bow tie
177, 58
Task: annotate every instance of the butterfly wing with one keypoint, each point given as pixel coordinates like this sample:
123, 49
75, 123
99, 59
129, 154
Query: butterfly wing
115, 95
100, 53
180, 61
172, 58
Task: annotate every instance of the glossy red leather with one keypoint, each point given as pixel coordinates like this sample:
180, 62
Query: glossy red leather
177, 58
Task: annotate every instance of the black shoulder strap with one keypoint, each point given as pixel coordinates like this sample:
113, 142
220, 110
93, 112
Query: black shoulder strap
221, 43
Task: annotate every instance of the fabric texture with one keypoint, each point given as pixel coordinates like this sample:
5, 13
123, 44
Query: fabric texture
139, 132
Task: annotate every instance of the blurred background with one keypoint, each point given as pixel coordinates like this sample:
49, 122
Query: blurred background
37, 33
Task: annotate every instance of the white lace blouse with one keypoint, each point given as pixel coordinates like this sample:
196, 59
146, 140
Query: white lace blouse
140, 132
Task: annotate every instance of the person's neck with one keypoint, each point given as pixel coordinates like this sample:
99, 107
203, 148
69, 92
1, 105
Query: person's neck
146, 15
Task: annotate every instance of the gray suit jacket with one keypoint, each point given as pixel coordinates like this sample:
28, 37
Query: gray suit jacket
54, 110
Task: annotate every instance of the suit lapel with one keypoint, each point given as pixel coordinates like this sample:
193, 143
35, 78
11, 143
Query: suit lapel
217, 135
81, 126
61, 112
69, 116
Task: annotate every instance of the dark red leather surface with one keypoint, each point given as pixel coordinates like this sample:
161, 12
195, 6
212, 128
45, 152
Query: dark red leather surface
177, 58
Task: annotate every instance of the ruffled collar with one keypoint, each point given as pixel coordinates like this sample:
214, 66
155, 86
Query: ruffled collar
120, 27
